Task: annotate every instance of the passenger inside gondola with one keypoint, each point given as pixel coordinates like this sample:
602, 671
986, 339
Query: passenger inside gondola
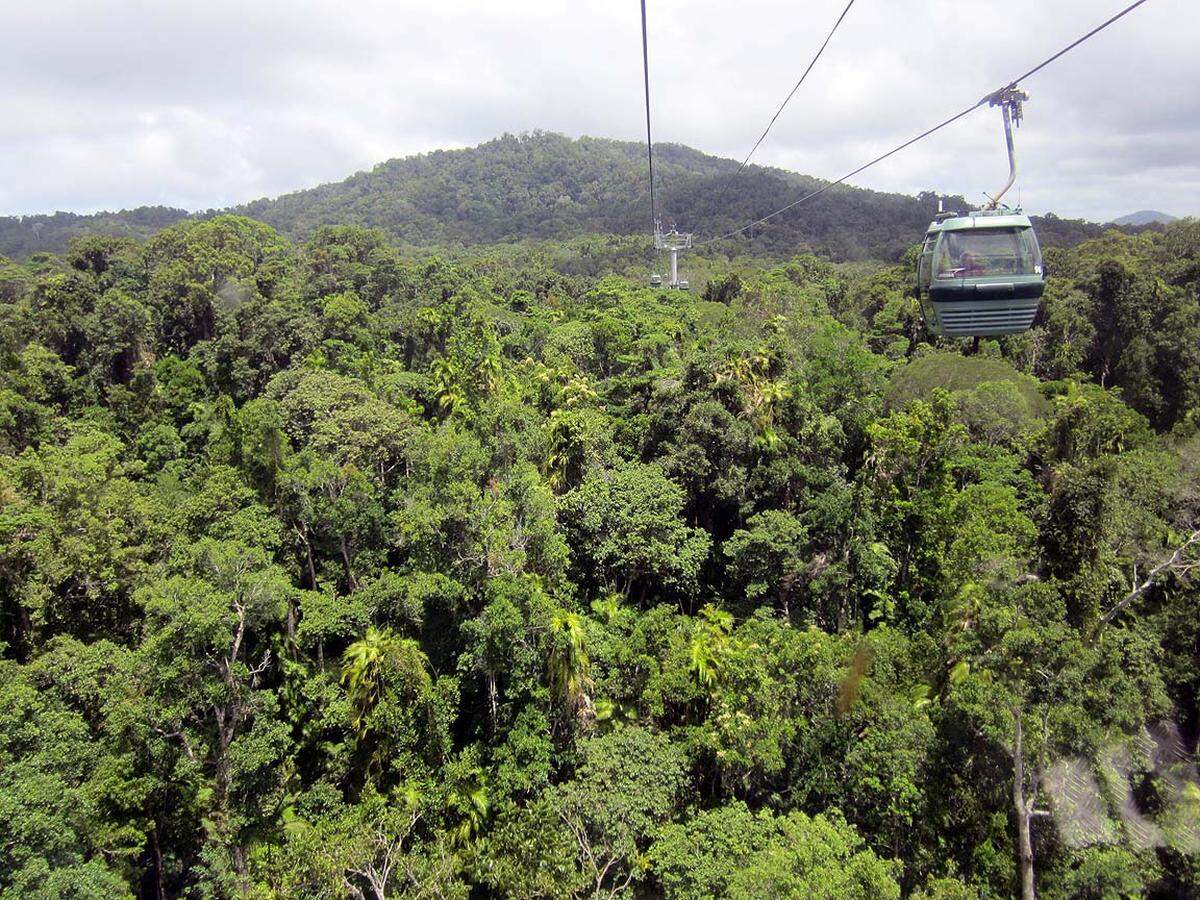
983, 252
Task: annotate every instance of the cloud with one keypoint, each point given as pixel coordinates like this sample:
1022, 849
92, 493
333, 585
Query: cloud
203, 105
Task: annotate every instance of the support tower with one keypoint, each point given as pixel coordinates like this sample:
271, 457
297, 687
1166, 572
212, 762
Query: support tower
672, 241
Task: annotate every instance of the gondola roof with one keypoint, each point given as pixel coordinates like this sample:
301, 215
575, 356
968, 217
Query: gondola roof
982, 218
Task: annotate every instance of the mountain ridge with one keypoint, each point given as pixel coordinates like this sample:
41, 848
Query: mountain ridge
1146, 217
546, 186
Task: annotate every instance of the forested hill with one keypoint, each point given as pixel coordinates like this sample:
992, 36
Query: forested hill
546, 186
22, 236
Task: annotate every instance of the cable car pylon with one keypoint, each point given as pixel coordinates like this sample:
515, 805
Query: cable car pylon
672, 241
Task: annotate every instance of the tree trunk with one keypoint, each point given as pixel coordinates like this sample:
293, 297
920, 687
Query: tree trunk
1022, 809
312, 569
346, 562
158, 864
491, 692
293, 617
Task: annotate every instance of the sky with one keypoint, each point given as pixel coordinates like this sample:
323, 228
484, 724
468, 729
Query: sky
202, 105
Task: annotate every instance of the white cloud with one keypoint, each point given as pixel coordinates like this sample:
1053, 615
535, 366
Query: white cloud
201, 105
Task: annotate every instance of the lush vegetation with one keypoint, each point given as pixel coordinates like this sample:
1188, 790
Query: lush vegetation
547, 187
327, 570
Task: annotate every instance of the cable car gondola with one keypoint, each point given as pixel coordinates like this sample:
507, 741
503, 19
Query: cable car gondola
980, 274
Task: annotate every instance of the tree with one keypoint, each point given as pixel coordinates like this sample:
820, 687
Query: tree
204, 662
372, 849
627, 784
69, 811
375, 658
767, 558
399, 710
729, 851
628, 525
1037, 687
75, 538
568, 665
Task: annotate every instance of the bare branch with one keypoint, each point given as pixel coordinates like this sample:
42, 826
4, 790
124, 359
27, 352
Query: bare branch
181, 737
1176, 563
260, 668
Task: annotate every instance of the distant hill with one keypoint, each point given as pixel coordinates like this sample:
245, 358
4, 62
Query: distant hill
21, 236
1146, 217
546, 186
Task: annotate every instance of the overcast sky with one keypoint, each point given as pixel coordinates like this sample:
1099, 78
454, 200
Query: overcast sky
124, 103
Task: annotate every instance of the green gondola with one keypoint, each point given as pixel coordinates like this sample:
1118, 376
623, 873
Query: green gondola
980, 275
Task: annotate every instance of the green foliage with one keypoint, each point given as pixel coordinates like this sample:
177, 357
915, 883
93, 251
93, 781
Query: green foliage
332, 570
627, 530
730, 852
768, 557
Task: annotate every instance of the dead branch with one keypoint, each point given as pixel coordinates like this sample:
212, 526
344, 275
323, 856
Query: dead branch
1177, 562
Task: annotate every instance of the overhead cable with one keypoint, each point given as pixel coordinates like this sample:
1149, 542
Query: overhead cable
786, 99
924, 134
649, 142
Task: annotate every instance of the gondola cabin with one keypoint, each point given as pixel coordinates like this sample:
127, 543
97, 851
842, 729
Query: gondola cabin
980, 275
